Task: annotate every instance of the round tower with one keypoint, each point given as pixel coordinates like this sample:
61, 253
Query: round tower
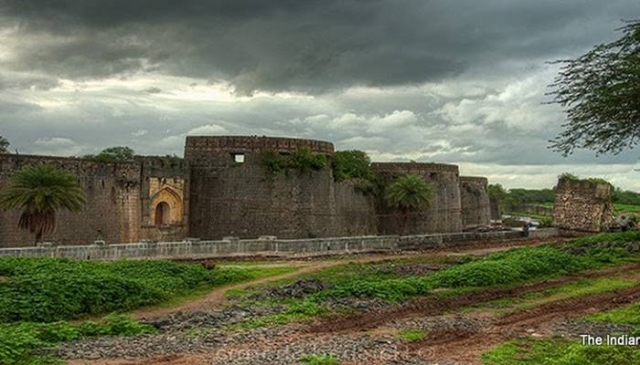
233, 193
444, 214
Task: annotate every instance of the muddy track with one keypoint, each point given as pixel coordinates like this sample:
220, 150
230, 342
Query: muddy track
468, 346
436, 306
562, 308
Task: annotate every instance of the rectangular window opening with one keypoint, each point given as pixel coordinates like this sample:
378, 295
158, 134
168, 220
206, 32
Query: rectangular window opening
238, 157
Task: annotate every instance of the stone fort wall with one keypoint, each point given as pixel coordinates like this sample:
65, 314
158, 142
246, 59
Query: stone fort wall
243, 199
474, 198
113, 214
445, 211
119, 202
222, 188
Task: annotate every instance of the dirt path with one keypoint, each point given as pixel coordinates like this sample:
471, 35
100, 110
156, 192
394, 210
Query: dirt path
217, 298
467, 347
437, 306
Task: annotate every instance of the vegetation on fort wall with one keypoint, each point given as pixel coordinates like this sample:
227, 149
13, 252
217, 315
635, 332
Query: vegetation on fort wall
302, 160
49, 290
352, 164
573, 178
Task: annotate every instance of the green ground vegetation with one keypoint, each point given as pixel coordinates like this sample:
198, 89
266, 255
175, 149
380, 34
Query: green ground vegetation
625, 315
315, 359
49, 290
412, 334
37, 295
503, 269
559, 352
575, 289
17, 340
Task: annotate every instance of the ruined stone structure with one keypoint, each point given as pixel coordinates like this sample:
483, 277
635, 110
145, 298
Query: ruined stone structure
582, 206
474, 198
445, 211
223, 188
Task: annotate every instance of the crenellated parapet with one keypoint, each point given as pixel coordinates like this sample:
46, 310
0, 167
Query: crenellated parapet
197, 147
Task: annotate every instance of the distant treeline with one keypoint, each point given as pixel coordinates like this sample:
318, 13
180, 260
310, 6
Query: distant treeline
512, 198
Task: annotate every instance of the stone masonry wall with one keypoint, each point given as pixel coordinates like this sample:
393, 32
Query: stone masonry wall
474, 199
445, 212
222, 188
582, 206
112, 214
164, 180
243, 199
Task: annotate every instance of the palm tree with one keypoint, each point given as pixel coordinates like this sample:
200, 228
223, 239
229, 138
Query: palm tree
41, 190
408, 193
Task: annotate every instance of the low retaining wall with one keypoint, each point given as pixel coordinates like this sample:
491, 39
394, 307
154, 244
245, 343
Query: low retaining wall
269, 245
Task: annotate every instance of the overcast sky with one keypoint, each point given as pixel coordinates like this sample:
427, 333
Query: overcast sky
453, 81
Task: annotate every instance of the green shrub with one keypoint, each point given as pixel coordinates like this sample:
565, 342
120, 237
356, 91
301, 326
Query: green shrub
352, 165
303, 160
49, 290
320, 360
509, 267
19, 339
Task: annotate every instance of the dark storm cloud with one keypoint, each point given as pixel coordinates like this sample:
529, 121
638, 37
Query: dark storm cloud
302, 45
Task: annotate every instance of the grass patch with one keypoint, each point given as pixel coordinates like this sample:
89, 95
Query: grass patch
412, 335
296, 310
49, 290
576, 289
17, 340
314, 359
625, 315
608, 238
559, 352
499, 269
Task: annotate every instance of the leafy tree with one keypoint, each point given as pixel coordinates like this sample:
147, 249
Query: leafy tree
408, 193
112, 154
600, 91
625, 197
40, 191
352, 165
4, 144
501, 196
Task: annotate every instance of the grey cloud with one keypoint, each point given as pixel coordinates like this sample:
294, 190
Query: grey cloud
153, 90
21, 81
313, 46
